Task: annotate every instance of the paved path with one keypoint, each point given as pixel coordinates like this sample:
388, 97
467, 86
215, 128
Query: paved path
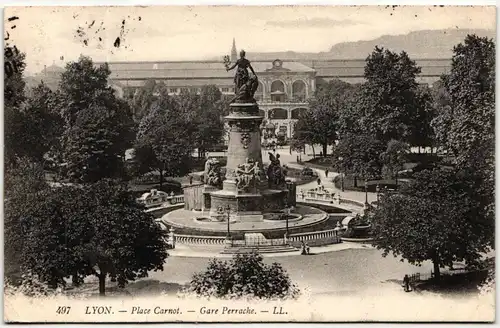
182, 250
291, 161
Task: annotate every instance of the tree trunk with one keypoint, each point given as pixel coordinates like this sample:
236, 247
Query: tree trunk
437, 272
325, 149
355, 181
102, 284
314, 153
161, 178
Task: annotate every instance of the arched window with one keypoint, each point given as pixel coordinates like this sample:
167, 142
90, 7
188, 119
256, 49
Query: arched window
278, 114
297, 112
299, 90
278, 91
260, 89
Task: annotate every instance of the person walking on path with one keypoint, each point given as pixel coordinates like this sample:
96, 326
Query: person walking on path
319, 181
326, 173
406, 283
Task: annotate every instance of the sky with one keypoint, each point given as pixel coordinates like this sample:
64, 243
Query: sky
56, 35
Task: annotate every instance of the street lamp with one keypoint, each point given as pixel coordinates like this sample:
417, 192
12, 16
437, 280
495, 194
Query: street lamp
341, 174
378, 193
366, 192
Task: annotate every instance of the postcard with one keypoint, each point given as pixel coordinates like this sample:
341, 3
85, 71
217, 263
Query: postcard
249, 164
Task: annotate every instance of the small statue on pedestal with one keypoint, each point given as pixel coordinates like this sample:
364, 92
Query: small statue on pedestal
212, 174
275, 174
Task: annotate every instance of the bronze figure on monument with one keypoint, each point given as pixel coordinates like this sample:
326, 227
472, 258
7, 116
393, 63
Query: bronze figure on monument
275, 174
245, 85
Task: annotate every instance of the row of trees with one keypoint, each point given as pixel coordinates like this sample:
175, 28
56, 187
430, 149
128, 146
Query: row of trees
443, 215
447, 215
170, 128
364, 120
93, 226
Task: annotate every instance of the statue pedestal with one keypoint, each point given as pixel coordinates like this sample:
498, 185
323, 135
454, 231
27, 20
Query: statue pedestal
244, 163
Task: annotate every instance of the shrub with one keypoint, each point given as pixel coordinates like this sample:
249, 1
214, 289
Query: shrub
244, 276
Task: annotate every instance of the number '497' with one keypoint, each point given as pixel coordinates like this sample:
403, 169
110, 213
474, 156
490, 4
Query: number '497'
63, 309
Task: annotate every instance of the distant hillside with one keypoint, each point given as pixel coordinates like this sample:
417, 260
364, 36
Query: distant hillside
418, 44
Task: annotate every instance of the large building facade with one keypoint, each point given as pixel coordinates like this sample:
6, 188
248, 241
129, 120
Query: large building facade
284, 86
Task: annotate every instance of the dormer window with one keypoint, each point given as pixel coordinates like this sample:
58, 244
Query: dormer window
277, 63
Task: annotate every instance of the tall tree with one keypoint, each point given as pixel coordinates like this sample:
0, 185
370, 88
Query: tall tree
434, 219
14, 97
319, 124
466, 126
43, 123
359, 155
209, 121
117, 239
389, 97
143, 99
23, 185
164, 140
394, 157
98, 126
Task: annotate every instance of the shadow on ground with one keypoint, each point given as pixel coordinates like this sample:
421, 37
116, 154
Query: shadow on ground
132, 289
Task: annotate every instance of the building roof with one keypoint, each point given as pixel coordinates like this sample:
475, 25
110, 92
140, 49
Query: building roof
191, 69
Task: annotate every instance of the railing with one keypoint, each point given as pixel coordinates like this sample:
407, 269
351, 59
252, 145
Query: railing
168, 200
329, 197
315, 235
258, 242
199, 240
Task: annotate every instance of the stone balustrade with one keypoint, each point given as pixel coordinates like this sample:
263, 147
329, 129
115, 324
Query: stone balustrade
199, 240
306, 236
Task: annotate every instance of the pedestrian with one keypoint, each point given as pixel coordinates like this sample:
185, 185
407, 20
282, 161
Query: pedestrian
307, 249
290, 150
326, 173
303, 248
319, 181
190, 179
298, 161
406, 283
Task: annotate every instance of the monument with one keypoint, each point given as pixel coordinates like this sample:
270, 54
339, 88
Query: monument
247, 189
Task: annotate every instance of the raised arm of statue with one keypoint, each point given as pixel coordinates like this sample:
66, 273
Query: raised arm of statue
233, 66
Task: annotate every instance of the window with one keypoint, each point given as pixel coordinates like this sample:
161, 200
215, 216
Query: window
225, 89
172, 90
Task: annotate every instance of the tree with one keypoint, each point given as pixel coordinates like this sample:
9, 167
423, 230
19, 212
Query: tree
23, 184
209, 123
14, 97
359, 155
421, 131
466, 126
98, 126
43, 123
165, 139
389, 99
116, 239
244, 275
319, 122
433, 218
143, 99
394, 157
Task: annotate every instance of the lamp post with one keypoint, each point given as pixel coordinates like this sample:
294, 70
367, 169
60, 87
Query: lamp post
378, 193
341, 174
366, 192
